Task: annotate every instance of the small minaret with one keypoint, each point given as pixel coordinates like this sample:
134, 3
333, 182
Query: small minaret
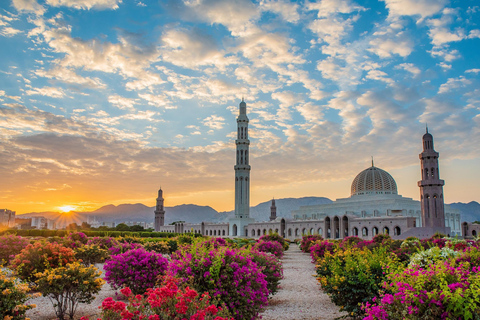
431, 186
273, 211
159, 211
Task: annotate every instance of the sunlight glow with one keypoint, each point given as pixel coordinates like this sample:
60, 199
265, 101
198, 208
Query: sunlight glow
67, 208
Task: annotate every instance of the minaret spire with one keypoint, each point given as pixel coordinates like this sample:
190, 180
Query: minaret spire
372, 162
242, 175
159, 211
431, 186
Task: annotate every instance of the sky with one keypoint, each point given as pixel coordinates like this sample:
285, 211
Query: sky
104, 101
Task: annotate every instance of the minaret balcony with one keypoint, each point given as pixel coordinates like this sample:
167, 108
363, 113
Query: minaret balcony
431, 182
242, 167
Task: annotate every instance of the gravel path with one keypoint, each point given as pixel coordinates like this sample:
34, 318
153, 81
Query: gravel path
300, 296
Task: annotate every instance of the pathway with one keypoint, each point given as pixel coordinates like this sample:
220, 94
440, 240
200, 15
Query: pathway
300, 296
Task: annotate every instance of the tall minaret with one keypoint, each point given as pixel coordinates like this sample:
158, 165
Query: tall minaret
273, 211
431, 186
159, 211
242, 167
242, 218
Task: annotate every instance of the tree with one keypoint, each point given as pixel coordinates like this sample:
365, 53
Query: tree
85, 226
72, 226
122, 227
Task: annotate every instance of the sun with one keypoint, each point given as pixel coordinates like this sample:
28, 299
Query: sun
67, 208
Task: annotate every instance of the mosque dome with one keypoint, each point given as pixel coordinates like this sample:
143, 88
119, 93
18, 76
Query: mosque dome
373, 181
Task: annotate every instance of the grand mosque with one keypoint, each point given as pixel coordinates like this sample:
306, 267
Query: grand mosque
374, 205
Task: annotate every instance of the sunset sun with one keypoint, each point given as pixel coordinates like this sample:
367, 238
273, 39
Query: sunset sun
67, 208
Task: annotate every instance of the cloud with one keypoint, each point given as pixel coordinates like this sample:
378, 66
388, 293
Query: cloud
68, 76
122, 102
410, 67
28, 6
379, 76
454, 83
214, 122
9, 31
422, 8
235, 15
385, 48
85, 4
47, 91
286, 9
192, 49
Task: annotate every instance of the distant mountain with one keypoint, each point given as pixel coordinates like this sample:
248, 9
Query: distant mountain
470, 211
194, 214
261, 212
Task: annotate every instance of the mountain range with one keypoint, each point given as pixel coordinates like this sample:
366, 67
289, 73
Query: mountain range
195, 214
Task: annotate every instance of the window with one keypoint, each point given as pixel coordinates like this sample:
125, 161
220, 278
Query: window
374, 231
396, 231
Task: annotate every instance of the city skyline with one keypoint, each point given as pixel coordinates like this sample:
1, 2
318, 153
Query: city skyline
104, 101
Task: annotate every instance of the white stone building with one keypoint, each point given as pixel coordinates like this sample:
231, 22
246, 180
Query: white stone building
374, 205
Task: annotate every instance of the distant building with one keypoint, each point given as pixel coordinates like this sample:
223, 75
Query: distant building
373, 207
7, 218
159, 211
23, 223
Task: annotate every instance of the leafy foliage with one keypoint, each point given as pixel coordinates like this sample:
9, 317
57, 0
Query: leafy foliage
68, 286
13, 295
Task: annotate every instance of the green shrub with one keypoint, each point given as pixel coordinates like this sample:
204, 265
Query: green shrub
91, 254
157, 246
68, 286
354, 277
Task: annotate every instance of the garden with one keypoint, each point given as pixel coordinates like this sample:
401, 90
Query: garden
436, 278
175, 277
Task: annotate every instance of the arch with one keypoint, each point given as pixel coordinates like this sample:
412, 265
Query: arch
223, 232
269, 231
289, 232
397, 231
345, 226
386, 230
312, 231
364, 232
465, 229
246, 232
258, 232
320, 231
374, 231
282, 227
276, 230
327, 227
234, 229
336, 227
427, 205
211, 233
303, 231
474, 233
296, 232
214, 232
253, 232
264, 231
432, 173
426, 173
355, 232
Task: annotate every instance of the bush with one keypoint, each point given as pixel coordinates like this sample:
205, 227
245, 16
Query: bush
307, 242
137, 269
157, 246
68, 286
431, 256
10, 245
225, 273
440, 291
169, 302
354, 277
124, 247
104, 242
13, 295
91, 254
271, 267
276, 237
40, 257
319, 248
172, 245
272, 247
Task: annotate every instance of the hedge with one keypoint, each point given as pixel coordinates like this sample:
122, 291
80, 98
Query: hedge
90, 233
